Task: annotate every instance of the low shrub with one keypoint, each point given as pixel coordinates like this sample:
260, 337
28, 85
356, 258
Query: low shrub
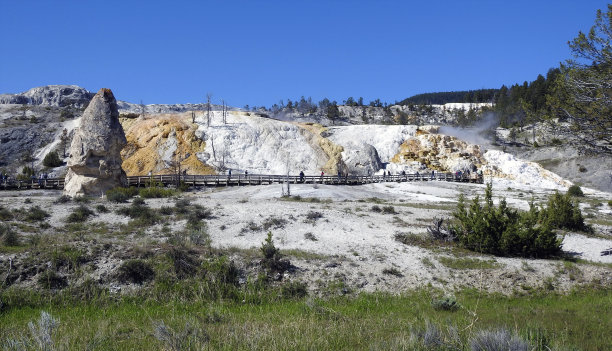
388, 210
79, 214
36, 214
501, 339
49, 279
575, 190
139, 210
67, 256
185, 263
52, 160
82, 199
5, 214
101, 209
63, 199
393, 271
120, 195
274, 223
135, 271
412, 239
273, 260
8, 235
313, 216
294, 290
156, 192
188, 338
447, 303
310, 236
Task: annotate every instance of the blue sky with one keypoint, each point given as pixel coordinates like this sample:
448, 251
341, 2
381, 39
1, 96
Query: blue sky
258, 52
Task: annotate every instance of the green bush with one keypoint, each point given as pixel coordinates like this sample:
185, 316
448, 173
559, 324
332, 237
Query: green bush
9, 236
156, 192
448, 303
120, 195
63, 199
139, 210
294, 290
503, 231
36, 214
575, 190
562, 212
273, 260
185, 262
135, 271
52, 160
49, 279
79, 214
6, 215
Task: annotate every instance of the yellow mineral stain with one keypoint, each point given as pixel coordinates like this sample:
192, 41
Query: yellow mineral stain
144, 137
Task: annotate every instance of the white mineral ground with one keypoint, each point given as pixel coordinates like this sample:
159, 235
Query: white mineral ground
357, 243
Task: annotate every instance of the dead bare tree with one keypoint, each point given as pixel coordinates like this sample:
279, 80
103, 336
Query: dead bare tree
224, 114
64, 141
142, 109
439, 231
208, 108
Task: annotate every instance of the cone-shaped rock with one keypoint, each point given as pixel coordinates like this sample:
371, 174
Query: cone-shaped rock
95, 160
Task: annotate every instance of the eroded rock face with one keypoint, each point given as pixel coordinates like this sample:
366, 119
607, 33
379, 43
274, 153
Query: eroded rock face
50, 95
95, 159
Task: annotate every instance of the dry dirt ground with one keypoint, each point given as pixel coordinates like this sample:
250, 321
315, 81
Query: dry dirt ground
338, 238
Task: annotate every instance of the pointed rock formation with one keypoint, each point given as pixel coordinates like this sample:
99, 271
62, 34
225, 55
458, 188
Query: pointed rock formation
95, 159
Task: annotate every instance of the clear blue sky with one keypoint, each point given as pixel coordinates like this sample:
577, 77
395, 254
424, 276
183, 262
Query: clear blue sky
258, 52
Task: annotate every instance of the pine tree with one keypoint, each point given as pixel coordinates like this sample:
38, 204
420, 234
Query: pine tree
582, 95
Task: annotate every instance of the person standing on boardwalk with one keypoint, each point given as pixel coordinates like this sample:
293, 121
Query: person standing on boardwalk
301, 176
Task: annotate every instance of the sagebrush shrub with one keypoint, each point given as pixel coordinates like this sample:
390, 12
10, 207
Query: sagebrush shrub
120, 194
501, 339
79, 214
156, 192
8, 235
36, 214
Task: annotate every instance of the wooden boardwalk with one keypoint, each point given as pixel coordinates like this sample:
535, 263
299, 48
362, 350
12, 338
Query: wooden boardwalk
254, 179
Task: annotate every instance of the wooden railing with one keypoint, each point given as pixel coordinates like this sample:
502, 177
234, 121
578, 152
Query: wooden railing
251, 179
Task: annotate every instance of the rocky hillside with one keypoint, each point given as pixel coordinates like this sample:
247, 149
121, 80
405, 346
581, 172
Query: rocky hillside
51, 95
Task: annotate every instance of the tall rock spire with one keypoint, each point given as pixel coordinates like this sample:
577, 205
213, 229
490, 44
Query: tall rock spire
95, 159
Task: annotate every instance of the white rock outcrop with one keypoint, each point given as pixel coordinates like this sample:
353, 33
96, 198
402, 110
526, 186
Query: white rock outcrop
95, 159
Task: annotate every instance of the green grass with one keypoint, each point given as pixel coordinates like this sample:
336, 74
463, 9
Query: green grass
578, 321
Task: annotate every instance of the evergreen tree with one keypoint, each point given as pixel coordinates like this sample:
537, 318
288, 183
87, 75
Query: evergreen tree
583, 92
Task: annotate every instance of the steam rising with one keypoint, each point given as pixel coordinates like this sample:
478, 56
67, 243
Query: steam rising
479, 134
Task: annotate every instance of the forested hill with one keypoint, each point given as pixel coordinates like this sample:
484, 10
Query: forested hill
441, 98
512, 104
